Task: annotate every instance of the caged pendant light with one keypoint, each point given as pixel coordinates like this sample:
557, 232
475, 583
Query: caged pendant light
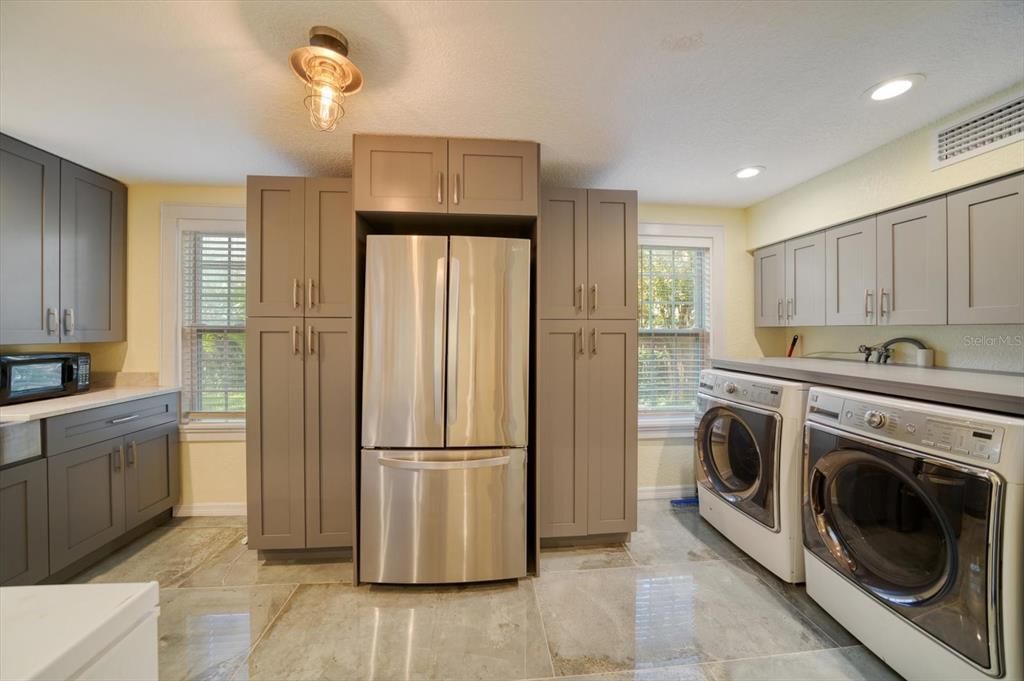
328, 74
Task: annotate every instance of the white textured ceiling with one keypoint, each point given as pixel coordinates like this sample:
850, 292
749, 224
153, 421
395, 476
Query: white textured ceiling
669, 98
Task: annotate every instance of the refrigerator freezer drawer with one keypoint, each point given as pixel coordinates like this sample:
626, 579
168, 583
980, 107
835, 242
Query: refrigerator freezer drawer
438, 516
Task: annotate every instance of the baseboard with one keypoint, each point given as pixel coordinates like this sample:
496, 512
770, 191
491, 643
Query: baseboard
211, 509
666, 492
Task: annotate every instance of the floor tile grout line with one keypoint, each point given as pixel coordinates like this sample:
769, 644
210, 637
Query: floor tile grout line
543, 626
259, 639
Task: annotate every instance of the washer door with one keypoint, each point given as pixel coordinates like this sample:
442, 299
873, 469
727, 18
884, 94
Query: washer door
736, 456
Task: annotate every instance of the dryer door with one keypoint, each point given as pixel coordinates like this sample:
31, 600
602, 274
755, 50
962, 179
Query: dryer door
736, 450
909, 529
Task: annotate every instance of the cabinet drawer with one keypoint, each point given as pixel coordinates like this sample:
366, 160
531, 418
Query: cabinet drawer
71, 431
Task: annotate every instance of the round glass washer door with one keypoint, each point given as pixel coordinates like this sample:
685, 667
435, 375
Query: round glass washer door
729, 454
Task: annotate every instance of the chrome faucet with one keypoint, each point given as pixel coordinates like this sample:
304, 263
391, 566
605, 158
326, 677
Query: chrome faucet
883, 351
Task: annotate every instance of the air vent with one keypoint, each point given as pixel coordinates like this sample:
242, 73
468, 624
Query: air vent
979, 133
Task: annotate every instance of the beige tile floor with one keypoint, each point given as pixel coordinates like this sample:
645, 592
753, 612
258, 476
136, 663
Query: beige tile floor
678, 602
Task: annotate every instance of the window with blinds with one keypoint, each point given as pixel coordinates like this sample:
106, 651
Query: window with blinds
675, 328
213, 324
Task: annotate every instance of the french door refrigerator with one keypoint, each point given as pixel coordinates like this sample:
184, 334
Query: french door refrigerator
445, 391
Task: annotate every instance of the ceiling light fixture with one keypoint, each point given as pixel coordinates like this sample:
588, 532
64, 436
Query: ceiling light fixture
328, 74
749, 172
893, 87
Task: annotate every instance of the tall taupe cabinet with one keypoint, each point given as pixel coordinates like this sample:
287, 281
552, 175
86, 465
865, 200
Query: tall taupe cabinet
587, 362
300, 362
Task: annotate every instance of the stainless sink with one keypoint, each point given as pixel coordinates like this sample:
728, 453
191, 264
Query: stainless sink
19, 440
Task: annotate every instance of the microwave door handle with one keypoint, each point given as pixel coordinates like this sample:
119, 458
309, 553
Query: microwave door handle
453, 341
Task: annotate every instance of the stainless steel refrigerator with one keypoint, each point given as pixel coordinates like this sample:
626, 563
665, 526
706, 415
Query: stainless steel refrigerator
445, 392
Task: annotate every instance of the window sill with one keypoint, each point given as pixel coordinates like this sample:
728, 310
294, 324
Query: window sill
227, 430
665, 429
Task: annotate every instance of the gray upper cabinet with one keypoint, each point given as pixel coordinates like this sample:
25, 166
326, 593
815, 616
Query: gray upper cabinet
24, 550
492, 177
330, 278
152, 477
769, 285
400, 174
805, 276
29, 243
330, 411
612, 254
562, 254
986, 249
93, 210
912, 264
275, 238
274, 433
850, 265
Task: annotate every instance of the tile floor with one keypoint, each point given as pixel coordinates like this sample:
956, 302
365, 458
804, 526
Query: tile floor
679, 602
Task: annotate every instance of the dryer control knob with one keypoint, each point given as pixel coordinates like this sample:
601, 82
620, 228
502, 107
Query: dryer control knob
875, 419
730, 388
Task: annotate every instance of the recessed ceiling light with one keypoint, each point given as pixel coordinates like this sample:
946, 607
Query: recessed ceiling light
894, 87
749, 171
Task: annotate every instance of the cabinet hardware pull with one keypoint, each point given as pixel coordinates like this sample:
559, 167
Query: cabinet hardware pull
869, 306
309, 339
117, 454
593, 292
69, 321
51, 321
295, 292
124, 419
458, 183
309, 293
295, 341
131, 453
440, 187
883, 295
578, 299
593, 340
789, 309
580, 350
779, 309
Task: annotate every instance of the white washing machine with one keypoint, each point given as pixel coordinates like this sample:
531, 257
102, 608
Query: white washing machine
914, 527
748, 446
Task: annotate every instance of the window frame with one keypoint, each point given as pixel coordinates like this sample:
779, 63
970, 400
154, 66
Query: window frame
651, 426
175, 219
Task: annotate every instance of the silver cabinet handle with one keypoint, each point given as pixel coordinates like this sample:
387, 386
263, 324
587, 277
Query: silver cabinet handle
883, 295
593, 296
440, 187
310, 285
309, 339
789, 308
593, 340
578, 299
51, 321
580, 350
444, 465
295, 292
869, 306
780, 309
295, 341
69, 321
117, 454
124, 419
457, 184
131, 453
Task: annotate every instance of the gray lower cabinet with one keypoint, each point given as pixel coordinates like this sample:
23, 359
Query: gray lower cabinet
986, 249
152, 473
587, 427
805, 274
850, 266
24, 551
29, 243
769, 285
911, 259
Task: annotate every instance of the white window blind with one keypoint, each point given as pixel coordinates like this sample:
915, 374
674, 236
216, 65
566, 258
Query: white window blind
675, 328
213, 323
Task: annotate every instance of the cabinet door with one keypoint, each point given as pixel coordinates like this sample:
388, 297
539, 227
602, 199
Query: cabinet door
275, 459
395, 174
769, 285
86, 490
912, 264
93, 210
29, 243
561, 428
986, 249
275, 245
611, 254
492, 177
24, 555
611, 426
805, 281
330, 248
152, 476
562, 254
850, 260
330, 432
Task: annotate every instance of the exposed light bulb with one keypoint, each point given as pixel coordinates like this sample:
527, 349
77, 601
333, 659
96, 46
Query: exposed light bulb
326, 95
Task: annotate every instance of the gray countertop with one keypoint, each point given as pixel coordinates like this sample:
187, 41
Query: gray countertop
99, 397
986, 391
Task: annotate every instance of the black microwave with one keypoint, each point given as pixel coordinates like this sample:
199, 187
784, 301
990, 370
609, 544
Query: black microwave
41, 376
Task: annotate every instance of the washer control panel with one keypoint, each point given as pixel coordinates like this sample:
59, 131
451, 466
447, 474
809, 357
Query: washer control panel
741, 390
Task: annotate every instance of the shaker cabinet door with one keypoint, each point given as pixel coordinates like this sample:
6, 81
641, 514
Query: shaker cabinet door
275, 424
396, 174
805, 281
152, 474
986, 249
562, 428
562, 254
611, 426
611, 254
912, 264
769, 285
29, 243
275, 244
24, 554
492, 177
93, 210
330, 262
330, 432
850, 262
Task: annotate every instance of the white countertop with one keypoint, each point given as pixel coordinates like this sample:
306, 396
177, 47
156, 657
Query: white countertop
98, 397
989, 391
53, 631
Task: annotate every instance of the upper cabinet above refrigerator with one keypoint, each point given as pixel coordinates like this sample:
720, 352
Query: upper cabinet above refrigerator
402, 174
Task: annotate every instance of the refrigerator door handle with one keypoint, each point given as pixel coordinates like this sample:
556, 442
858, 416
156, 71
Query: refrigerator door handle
439, 343
453, 341
444, 465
